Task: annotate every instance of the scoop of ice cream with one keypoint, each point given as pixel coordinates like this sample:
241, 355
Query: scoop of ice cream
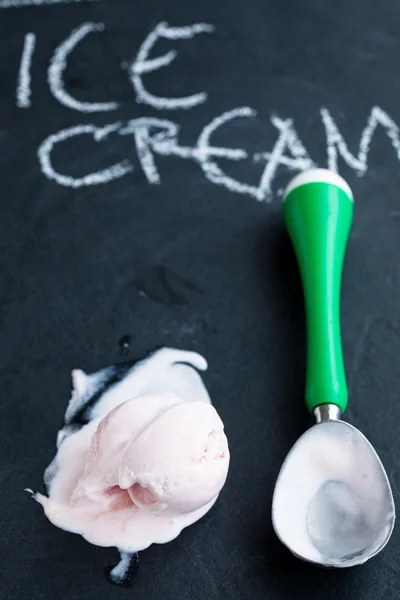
134, 464
179, 463
152, 466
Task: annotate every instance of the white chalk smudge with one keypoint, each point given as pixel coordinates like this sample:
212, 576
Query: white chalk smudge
58, 64
24, 76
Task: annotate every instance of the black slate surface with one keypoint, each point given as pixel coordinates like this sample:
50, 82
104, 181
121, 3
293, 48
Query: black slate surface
190, 263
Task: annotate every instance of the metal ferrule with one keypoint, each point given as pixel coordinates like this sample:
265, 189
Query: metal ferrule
327, 412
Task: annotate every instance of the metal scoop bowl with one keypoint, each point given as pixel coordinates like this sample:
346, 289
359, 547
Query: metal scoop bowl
332, 504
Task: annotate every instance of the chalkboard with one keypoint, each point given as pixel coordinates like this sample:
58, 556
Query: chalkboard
144, 149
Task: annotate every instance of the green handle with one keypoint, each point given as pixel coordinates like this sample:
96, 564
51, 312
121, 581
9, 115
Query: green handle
318, 212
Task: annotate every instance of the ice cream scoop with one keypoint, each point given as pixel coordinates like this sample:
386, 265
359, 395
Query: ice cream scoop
150, 458
332, 503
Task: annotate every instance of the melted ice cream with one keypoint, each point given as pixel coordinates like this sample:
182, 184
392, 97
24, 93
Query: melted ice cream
142, 454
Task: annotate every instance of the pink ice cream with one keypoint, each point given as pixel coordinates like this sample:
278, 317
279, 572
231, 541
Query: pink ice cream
149, 467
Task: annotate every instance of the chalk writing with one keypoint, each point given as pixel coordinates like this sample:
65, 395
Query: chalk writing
154, 138
210, 168
298, 161
24, 75
99, 134
160, 137
58, 64
18, 3
143, 64
336, 144
165, 143
147, 144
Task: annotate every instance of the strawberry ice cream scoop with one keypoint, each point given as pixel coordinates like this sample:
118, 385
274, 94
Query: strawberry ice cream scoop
141, 468
179, 464
153, 466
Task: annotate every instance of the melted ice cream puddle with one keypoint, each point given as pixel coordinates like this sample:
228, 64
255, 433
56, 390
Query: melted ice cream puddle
142, 455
